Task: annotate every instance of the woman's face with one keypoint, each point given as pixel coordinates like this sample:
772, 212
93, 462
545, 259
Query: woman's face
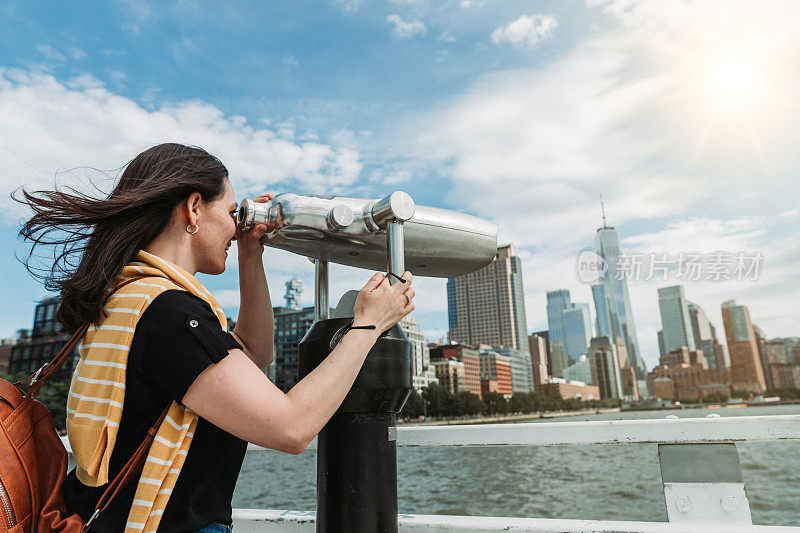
218, 230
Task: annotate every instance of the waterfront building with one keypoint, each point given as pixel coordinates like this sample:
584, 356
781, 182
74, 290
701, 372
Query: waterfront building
580, 371
790, 343
785, 375
687, 381
422, 374
468, 355
569, 390
616, 291
521, 370
661, 349
496, 367
32, 351
675, 321
488, 306
747, 373
604, 362
537, 345
450, 373
773, 353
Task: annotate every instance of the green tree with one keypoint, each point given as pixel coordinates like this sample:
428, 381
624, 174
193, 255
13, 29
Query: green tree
413, 407
495, 404
438, 398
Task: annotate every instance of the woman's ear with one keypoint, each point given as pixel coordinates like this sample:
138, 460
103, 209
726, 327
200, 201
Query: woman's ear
192, 207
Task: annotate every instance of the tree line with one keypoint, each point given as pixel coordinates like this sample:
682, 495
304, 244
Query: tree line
437, 401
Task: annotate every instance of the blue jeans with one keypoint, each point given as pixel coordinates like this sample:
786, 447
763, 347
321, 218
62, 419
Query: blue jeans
215, 528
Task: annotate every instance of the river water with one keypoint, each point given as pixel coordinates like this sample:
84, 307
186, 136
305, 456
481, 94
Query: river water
610, 482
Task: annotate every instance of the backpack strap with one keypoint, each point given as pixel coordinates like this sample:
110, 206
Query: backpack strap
129, 472
133, 467
47, 370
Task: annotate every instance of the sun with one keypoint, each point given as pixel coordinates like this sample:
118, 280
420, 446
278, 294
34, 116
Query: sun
733, 79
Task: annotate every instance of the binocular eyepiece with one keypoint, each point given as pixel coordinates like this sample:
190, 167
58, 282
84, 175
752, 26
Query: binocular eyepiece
353, 231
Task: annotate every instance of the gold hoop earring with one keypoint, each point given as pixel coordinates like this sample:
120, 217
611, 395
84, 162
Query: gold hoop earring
196, 227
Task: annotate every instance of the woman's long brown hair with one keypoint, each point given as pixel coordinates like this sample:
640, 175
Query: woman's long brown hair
93, 238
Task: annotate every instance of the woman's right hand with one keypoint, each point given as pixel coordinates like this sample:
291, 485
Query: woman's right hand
382, 303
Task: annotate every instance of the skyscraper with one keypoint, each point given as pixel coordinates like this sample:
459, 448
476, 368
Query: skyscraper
577, 330
616, 290
537, 345
605, 322
488, 306
557, 301
570, 329
605, 367
675, 321
747, 373
705, 337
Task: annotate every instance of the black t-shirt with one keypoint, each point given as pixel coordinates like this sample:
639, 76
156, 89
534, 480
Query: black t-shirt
168, 352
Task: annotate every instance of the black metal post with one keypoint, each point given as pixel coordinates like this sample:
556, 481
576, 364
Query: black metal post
356, 450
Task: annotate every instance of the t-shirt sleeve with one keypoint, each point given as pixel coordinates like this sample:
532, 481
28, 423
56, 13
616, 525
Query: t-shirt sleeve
180, 336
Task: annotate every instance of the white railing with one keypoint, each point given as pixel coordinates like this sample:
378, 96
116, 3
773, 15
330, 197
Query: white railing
647, 431
709, 430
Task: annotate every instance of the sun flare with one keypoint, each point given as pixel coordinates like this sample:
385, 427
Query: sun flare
733, 79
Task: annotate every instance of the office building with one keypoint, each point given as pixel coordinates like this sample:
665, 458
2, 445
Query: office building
521, 370
602, 305
450, 373
569, 328
537, 345
570, 389
580, 371
545, 334
290, 327
773, 354
706, 339
423, 374
615, 288
604, 362
466, 354
675, 321
488, 306
31, 352
747, 373
496, 368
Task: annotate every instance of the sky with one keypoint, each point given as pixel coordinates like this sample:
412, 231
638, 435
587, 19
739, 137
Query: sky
685, 114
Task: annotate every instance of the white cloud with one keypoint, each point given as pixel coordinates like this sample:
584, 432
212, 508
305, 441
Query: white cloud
55, 125
405, 30
446, 37
527, 30
50, 53
528, 148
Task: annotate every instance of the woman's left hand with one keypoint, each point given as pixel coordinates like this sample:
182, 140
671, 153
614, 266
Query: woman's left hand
248, 241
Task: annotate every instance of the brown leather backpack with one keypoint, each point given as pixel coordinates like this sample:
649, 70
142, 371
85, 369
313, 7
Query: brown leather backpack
33, 460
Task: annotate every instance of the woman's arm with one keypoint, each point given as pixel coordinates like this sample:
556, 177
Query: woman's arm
237, 397
255, 326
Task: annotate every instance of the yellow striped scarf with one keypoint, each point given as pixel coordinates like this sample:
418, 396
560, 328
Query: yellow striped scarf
97, 392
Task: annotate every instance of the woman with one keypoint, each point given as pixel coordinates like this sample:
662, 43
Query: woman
161, 340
